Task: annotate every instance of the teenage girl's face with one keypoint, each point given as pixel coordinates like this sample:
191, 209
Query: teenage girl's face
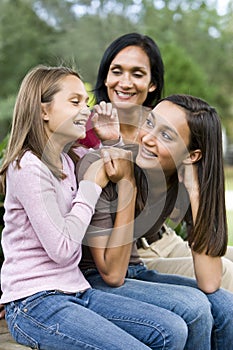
67, 114
129, 77
164, 139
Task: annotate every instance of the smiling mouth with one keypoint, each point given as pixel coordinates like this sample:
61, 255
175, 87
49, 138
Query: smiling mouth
81, 122
147, 154
125, 94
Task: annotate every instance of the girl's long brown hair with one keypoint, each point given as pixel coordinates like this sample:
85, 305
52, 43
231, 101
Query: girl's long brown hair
27, 132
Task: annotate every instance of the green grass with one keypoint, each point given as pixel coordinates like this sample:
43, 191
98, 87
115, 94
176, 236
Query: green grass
229, 186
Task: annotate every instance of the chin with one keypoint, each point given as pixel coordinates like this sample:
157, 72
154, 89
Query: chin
82, 135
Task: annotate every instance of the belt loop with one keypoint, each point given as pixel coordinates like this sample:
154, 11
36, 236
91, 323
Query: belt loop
144, 242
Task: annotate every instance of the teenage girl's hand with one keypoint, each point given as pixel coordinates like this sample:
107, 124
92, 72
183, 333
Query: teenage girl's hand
188, 174
118, 164
105, 122
96, 173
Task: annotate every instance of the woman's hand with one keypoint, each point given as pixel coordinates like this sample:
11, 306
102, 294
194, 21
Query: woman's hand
96, 173
105, 122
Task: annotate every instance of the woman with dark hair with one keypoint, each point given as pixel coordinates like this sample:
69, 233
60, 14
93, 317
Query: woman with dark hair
180, 152
131, 75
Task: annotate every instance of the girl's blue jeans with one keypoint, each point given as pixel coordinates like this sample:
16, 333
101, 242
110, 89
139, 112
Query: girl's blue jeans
209, 317
93, 320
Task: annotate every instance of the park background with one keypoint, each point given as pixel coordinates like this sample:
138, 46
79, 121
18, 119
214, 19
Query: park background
195, 39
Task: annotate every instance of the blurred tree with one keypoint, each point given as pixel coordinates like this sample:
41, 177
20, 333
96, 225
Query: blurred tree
25, 41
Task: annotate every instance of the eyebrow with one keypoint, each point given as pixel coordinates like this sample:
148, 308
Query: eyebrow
172, 130
116, 65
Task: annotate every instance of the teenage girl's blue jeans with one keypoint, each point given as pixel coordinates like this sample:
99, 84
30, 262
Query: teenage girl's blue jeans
173, 292
93, 320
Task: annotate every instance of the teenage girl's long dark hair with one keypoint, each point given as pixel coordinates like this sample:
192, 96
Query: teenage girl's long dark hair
209, 233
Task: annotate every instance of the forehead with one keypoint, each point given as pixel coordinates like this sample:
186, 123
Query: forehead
73, 85
168, 113
132, 56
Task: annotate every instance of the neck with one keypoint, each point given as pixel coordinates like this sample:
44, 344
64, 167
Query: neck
158, 183
130, 122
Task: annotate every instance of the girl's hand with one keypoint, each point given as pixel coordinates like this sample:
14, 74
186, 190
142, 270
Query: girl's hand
118, 164
188, 174
96, 173
105, 122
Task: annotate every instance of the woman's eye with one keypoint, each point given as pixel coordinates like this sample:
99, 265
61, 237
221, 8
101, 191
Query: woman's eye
138, 74
116, 71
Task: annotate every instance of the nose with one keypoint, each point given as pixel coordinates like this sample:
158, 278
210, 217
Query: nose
85, 111
148, 139
125, 81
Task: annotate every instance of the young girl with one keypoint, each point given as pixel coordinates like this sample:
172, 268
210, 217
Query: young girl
49, 304
181, 138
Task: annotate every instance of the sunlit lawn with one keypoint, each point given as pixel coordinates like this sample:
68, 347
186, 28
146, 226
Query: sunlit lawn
229, 187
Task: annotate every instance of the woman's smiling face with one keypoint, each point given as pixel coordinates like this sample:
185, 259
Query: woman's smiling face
129, 77
164, 139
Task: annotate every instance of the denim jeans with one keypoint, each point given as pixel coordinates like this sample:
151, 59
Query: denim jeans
181, 296
53, 320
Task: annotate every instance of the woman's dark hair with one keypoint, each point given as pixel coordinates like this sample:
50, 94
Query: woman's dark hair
156, 64
209, 233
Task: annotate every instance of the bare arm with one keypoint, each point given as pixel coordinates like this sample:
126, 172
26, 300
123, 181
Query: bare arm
208, 269
111, 253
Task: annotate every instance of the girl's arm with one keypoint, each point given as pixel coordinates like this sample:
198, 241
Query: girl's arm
111, 244
208, 269
57, 214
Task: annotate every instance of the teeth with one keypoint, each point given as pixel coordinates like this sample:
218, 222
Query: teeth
123, 94
144, 150
80, 122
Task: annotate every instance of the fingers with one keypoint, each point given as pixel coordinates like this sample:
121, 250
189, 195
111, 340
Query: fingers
104, 108
108, 164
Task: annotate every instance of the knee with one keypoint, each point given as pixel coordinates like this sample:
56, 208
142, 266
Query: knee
172, 337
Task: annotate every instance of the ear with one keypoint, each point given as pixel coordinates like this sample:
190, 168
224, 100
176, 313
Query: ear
105, 83
193, 157
152, 87
44, 111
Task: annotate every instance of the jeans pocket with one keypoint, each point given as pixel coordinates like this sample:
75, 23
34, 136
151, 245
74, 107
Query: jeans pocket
13, 318
23, 338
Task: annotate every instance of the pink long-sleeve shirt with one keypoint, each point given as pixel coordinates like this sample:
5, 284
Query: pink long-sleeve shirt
45, 222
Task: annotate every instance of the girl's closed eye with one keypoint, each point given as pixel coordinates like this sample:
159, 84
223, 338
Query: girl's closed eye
75, 101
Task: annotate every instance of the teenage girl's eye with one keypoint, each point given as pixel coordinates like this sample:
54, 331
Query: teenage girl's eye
166, 136
149, 122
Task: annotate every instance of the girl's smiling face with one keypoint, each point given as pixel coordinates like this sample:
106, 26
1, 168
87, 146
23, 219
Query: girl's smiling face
164, 139
66, 116
129, 77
